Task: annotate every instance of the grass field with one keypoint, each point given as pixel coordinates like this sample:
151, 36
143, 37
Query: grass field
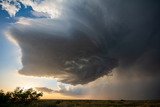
88, 103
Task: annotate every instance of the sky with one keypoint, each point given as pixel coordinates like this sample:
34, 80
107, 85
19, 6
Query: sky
81, 49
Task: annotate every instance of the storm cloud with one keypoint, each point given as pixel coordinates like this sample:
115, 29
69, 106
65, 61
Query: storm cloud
44, 89
58, 53
90, 39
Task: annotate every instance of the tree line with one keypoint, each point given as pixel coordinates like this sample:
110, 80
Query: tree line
20, 96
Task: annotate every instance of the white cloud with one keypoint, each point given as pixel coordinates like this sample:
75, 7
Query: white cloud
40, 14
22, 21
51, 8
11, 8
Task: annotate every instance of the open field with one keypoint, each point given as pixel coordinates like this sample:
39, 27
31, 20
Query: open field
89, 103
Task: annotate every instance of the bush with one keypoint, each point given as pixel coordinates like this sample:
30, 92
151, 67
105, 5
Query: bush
20, 96
3, 98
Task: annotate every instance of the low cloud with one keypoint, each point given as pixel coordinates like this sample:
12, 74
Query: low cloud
66, 90
44, 89
74, 91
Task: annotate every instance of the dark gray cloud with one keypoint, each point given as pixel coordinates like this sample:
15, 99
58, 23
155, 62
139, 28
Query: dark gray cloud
72, 57
91, 39
44, 89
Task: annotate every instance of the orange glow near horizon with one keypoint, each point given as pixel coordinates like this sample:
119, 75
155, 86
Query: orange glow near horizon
56, 96
45, 95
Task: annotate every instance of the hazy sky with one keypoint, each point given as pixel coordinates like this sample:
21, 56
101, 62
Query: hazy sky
77, 48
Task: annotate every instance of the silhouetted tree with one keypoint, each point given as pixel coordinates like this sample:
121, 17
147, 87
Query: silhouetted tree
20, 96
2, 97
